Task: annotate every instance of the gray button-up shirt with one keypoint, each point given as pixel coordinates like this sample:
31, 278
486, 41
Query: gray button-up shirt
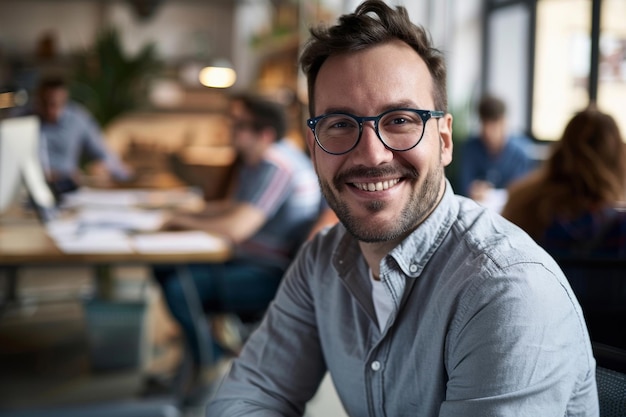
485, 324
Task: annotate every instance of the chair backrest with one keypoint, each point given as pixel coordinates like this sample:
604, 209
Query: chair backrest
611, 392
600, 286
611, 380
610, 357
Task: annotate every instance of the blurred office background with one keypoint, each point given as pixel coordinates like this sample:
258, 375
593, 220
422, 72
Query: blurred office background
546, 58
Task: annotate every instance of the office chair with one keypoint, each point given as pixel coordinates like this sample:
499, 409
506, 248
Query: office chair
611, 392
611, 379
600, 286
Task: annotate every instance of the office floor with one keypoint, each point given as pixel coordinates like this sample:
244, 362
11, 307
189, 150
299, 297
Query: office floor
54, 352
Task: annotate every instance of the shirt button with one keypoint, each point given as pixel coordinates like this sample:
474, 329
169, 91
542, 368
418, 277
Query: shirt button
413, 268
375, 366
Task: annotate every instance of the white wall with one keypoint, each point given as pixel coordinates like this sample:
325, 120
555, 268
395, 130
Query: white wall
207, 26
250, 18
508, 62
23, 23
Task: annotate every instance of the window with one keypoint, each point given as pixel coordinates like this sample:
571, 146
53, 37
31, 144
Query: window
612, 61
562, 64
580, 57
507, 58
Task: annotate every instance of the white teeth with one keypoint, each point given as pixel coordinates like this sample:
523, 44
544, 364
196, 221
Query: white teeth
376, 186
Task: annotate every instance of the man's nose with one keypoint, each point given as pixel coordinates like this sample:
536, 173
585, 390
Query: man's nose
371, 151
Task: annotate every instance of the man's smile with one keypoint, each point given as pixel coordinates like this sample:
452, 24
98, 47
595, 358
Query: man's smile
376, 186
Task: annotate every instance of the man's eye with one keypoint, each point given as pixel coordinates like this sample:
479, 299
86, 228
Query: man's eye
340, 123
398, 120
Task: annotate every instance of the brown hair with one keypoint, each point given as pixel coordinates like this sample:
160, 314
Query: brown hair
266, 112
589, 160
586, 170
51, 82
372, 23
491, 108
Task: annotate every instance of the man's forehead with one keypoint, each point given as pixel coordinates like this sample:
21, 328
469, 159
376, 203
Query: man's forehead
387, 75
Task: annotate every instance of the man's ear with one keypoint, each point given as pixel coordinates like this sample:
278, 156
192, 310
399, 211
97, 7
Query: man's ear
310, 143
445, 135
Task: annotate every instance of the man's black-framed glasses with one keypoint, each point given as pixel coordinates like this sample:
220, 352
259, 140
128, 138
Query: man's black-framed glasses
398, 129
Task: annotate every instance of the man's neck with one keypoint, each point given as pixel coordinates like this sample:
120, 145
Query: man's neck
374, 253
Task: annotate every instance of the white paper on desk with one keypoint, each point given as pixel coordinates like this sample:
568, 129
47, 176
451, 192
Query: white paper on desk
60, 228
176, 242
120, 219
85, 197
95, 241
116, 198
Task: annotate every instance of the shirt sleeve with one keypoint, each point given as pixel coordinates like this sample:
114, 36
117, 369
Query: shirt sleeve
266, 186
520, 163
92, 140
94, 146
500, 359
281, 365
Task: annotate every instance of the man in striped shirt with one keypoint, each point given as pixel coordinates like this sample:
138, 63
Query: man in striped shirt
274, 201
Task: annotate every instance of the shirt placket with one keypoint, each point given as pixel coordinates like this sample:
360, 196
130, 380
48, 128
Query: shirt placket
377, 359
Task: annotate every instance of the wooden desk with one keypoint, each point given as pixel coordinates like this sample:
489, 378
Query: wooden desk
25, 243
24, 240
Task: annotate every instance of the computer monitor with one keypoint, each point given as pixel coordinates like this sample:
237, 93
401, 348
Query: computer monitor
20, 165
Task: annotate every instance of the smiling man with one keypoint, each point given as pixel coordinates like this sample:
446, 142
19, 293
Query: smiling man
419, 302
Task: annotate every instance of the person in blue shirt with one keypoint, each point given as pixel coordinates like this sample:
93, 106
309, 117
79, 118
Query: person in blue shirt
71, 141
494, 158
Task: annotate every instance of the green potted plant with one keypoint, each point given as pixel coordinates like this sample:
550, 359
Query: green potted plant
108, 81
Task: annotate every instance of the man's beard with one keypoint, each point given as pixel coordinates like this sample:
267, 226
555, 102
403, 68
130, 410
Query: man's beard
421, 203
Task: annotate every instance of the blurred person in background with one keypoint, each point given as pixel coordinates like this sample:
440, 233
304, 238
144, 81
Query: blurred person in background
575, 204
70, 139
274, 202
494, 157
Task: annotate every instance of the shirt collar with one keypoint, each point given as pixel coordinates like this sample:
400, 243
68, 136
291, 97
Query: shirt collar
414, 252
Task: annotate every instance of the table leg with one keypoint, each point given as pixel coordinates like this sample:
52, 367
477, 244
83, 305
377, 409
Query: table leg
200, 321
10, 293
105, 288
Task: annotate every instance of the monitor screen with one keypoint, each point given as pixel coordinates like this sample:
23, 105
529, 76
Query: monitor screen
20, 165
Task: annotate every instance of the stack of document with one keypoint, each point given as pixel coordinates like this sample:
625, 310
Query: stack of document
89, 233
70, 238
133, 198
119, 221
